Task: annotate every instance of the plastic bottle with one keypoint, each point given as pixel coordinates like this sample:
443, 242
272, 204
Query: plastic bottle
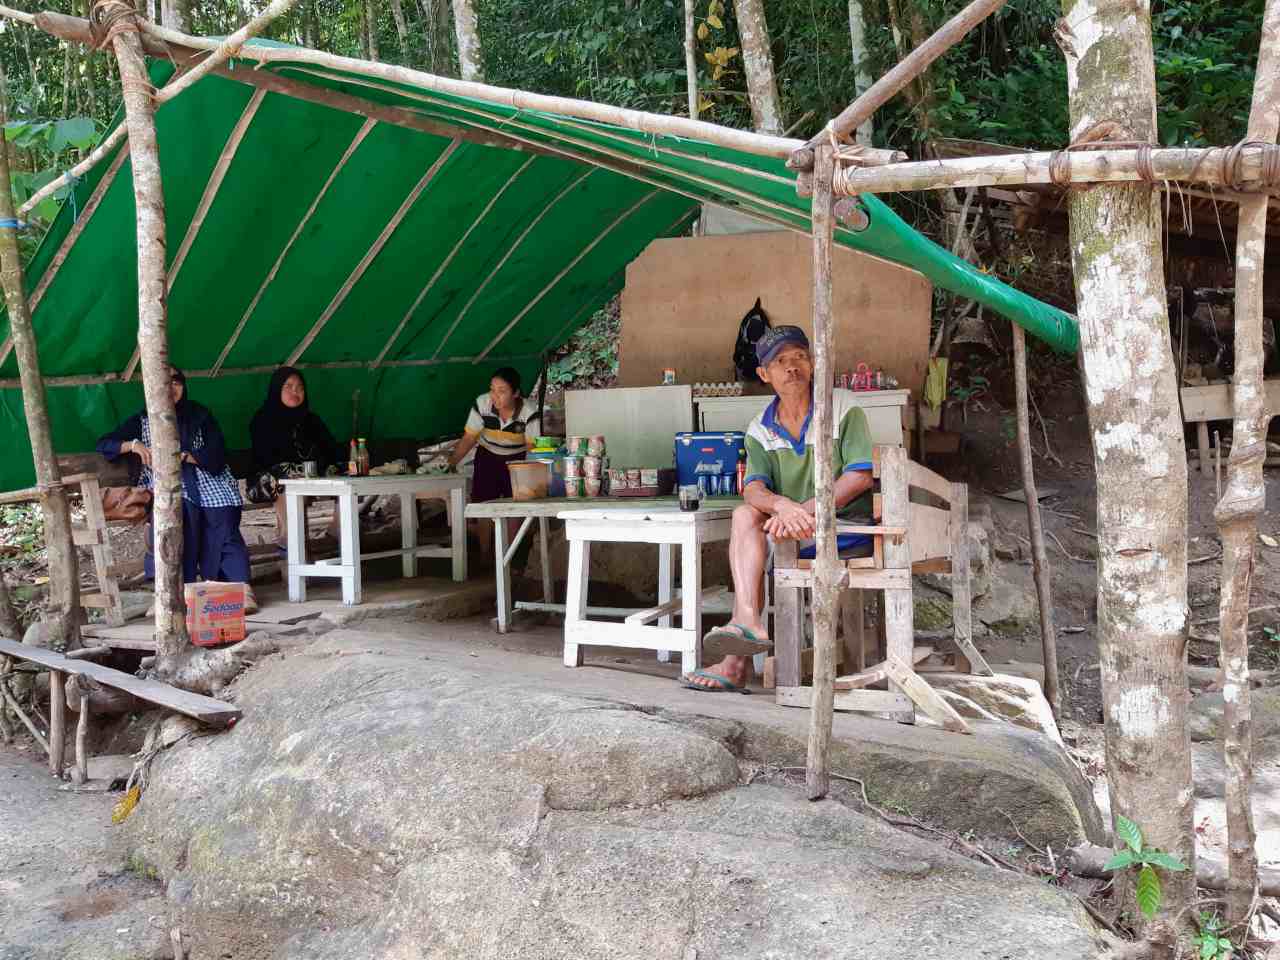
353, 461
362, 458
741, 471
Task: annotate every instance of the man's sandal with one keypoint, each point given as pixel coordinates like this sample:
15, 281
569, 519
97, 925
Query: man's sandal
733, 639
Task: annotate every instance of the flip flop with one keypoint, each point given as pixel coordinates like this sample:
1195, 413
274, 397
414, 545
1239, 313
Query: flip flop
722, 684
733, 639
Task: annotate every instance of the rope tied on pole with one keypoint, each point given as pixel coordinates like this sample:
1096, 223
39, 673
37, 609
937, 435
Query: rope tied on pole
108, 19
1270, 164
1103, 135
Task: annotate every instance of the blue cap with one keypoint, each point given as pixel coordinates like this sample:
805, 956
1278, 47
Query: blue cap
775, 339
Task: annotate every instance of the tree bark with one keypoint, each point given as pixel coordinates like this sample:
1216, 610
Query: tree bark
464, 24
1132, 396
402, 27
310, 29
176, 14
63, 605
1039, 557
757, 61
826, 559
861, 66
435, 14
371, 31
172, 642
690, 59
10, 625
1245, 497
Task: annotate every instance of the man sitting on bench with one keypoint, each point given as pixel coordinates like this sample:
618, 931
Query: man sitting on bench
779, 491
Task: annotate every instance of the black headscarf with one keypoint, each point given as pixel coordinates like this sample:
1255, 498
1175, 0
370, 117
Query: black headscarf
283, 434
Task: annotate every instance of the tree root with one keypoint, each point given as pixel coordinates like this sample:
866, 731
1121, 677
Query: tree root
1087, 859
207, 671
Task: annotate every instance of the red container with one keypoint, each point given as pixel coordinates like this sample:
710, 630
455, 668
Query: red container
215, 613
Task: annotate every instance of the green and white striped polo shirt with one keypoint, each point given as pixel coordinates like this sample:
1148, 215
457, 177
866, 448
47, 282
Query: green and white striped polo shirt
785, 464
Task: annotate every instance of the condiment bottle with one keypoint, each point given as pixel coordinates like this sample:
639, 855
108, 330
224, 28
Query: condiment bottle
353, 461
742, 471
362, 459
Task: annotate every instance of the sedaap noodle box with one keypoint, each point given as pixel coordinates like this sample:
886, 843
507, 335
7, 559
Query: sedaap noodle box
215, 613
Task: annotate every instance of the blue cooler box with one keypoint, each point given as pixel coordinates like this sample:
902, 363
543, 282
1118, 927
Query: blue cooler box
709, 455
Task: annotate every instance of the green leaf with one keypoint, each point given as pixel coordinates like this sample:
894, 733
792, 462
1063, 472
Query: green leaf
1158, 858
79, 132
1128, 831
1125, 858
1147, 891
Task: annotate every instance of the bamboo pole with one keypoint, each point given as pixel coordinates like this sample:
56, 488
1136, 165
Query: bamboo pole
371, 254
906, 70
1242, 504
1184, 164
1039, 556
57, 722
690, 61
826, 560
63, 606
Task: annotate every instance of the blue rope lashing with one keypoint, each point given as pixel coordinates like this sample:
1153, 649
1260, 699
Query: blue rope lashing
75, 210
9, 223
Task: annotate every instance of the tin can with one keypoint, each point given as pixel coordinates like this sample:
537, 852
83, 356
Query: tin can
595, 445
575, 447
727, 485
573, 466
592, 467
573, 486
633, 477
592, 486
668, 376
649, 477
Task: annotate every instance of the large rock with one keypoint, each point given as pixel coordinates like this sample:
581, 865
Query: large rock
1206, 714
408, 800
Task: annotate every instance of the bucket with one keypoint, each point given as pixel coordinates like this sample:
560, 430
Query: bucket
529, 480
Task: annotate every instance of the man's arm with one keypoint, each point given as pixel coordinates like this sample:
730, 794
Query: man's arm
787, 519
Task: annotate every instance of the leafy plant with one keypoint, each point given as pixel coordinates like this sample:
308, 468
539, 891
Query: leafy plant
1210, 944
1146, 860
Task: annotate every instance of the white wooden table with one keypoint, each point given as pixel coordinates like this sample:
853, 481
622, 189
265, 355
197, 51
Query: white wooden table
452, 488
665, 525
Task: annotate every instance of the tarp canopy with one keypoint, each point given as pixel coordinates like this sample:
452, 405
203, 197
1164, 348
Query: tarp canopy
390, 239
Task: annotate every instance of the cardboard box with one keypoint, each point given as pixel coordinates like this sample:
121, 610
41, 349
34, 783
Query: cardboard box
215, 613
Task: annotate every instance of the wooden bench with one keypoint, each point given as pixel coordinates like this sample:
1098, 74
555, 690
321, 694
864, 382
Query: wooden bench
201, 708
1213, 401
922, 529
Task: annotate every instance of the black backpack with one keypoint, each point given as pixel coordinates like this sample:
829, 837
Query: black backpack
751, 329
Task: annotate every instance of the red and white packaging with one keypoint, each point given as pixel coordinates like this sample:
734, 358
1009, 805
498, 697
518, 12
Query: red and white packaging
215, 613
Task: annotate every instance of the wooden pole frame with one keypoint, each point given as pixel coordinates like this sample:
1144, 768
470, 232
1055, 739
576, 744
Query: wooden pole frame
515, 245
368, 258
560, 276
444, 264
364, 131
219, 173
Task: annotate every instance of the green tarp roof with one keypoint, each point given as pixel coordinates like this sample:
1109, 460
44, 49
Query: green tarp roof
384, 257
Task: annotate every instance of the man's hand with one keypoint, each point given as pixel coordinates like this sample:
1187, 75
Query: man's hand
142, 451
790, 521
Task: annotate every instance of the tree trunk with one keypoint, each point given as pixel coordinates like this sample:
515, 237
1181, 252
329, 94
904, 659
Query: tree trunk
690, 59
172, 644
1245, 497
464, 24
68, 61
917, 91
310, 29
861, 65
176, 14
371, 31
63, 607
402, 28
10, 625
435, 17
1132, 396
757, 60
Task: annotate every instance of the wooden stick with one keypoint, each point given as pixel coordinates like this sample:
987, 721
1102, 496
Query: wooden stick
368, 258
906, 70
827, 568
206, 201
1244, 500
1185, 164
81, 773
444, 264
22, 715
1040, 559
560, 276
365, 129
57, 721
690, 62
515, 245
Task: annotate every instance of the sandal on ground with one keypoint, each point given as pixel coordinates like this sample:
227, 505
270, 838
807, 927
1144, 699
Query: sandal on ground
722, 684
733, 639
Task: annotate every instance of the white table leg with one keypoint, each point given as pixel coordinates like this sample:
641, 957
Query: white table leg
409, 533
349, 545
691, 599
544, 551
502, 573
296, 536
575, 609
666, 556
458, 531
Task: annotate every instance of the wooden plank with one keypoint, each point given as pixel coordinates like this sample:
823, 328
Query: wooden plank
936, 565
1214, 402
930, 536
924, 696
877, 673
924, 478
879, 579
669, 607
898, 616
83, 536
788, 616
204, 709
860, 701
962, 587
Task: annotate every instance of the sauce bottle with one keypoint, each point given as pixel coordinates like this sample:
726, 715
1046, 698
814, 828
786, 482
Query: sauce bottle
353, 460
742, 471
362, 459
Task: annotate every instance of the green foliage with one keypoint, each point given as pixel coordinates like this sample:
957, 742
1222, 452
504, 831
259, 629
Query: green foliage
1210, 944
1147, 888
590, 358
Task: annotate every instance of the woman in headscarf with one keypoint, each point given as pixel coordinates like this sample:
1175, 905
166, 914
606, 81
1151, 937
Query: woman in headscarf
212, 545
285, 433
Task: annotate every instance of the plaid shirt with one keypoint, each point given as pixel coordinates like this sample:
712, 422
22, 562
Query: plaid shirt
215, 490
